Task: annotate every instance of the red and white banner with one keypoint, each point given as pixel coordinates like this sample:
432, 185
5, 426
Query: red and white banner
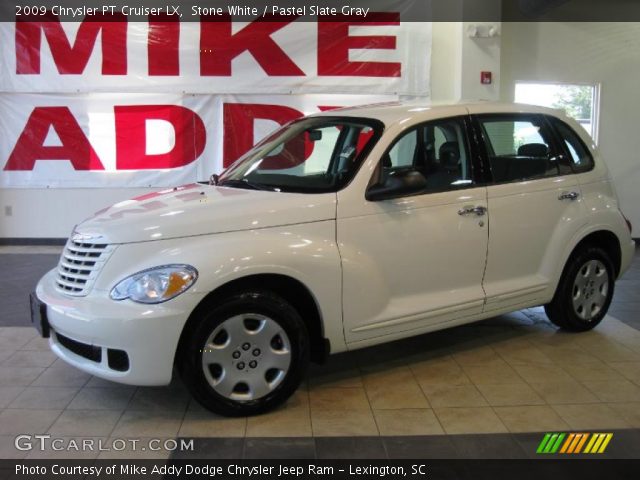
111, 104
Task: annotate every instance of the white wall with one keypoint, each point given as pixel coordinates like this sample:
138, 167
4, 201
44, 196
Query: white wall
604, 53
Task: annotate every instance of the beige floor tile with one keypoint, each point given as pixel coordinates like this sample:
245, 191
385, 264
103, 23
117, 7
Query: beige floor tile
85, 422
469, 420
496, 373
61, 375
37, 343
510, 394
350, 378
102, 398
18, 336
66, 450
30, 358
284, 422
394, 389
160, 399
610, 351
140, 451
542, 373
568, 355
203, 423
136, 423
566, 392
343, 423
537, 418
585, 417
8, 449
614, 390
454, 396
525, 355
14, 421
439, 371
5, 354
326, 398
629, 370
629, 411
592, 372
8, 395
19, 376
476, 356
45, 398
411, 421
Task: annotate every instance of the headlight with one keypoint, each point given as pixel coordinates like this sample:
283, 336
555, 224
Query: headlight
156, 285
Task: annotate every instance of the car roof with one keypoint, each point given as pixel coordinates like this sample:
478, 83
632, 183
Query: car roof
394, 112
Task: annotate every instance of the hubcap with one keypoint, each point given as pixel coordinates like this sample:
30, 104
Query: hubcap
246, 357
590, 290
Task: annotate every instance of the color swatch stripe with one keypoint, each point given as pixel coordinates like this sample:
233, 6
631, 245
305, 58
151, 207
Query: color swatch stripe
574, 443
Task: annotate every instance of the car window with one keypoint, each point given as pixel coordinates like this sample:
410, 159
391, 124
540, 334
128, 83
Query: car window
519, 148
438, 150
581, 159
310, 155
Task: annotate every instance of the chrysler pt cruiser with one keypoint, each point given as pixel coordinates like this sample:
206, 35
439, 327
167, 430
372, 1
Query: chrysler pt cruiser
338, 231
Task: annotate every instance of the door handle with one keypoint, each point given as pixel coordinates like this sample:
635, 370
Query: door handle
568, 196
471, 210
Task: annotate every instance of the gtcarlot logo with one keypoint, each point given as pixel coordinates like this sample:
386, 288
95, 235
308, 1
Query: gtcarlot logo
47, 442
573, 443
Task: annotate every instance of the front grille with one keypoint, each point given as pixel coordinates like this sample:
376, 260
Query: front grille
90, 352
79, 265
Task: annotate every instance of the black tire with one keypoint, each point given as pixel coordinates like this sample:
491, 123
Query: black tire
562, 311
262, 304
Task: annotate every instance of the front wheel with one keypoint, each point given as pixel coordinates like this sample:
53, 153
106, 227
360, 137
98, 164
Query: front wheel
246, 355
584, 292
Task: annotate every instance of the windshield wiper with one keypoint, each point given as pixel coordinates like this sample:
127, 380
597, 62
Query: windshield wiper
244, 183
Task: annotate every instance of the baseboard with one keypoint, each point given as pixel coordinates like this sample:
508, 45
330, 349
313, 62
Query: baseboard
15, 241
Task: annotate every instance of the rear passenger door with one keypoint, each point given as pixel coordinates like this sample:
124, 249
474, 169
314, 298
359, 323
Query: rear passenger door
534, 207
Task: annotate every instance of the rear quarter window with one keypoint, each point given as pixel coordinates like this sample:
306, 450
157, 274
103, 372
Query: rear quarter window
580, 157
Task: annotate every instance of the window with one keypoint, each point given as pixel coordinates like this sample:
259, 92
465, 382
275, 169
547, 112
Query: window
581, 159
579, 101
438, 150
310, 155
519, 148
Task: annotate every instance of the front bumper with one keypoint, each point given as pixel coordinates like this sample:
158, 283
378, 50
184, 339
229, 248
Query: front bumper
148, 334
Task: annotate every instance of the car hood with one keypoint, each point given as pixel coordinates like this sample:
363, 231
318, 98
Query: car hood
198, 209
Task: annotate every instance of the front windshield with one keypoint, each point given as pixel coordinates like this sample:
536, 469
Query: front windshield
311, 155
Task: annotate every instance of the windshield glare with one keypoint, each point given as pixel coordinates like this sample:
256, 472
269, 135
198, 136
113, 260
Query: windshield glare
310, 155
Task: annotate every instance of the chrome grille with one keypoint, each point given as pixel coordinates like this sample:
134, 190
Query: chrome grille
79, 265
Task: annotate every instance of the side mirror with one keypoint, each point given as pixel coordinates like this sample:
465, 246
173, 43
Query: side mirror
398, 184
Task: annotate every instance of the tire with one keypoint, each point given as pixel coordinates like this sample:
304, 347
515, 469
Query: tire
585, 291
245, 355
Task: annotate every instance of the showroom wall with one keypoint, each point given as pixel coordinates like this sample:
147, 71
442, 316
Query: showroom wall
600, 53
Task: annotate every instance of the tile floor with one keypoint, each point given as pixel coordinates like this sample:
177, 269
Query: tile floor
463, 391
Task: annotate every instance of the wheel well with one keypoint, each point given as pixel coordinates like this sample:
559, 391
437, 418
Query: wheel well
290, 289
606, 240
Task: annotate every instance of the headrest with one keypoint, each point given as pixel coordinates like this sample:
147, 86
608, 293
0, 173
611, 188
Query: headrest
533, 150
449, 154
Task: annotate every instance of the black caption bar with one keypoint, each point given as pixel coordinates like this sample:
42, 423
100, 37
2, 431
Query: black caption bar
314, 469
323, 10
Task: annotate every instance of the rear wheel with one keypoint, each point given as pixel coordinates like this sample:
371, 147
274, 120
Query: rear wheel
584, 292
247, 355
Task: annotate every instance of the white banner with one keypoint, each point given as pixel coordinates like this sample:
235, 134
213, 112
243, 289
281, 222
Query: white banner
117, 140
385, 56
114, 104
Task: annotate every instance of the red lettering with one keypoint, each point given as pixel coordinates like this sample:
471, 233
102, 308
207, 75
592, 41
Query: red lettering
238, 119
131, 134
219, 46
334, 44
75, 145
72, 59
163, 45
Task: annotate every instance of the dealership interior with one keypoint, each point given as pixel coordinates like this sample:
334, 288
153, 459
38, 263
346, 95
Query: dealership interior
489, 389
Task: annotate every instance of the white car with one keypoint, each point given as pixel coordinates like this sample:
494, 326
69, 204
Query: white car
341, 230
